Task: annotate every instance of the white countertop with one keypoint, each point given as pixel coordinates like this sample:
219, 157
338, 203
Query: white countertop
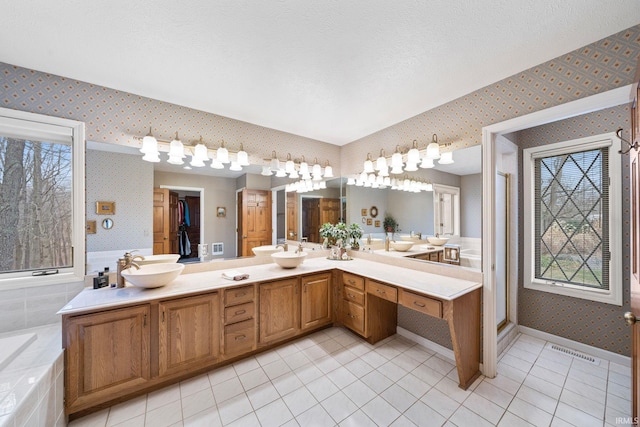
439, 286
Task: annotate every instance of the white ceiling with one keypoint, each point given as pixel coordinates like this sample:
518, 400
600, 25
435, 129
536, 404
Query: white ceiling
330, 70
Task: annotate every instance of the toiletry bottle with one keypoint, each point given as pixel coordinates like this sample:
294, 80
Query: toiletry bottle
386, 244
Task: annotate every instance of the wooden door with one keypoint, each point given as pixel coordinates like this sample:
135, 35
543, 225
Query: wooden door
165, 221
311, 219
189, 331
292, 216
329, 211
193, 203
279, 310
254, 220
107, 355
633, 317
315, 307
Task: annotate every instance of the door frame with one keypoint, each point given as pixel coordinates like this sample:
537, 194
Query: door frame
612, 98
195, 190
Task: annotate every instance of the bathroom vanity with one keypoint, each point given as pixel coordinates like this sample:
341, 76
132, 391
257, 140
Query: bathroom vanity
123, 342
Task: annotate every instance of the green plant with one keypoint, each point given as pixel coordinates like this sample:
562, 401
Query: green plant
355, 233
389, 223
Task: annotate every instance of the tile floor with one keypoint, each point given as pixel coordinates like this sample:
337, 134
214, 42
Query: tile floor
334, 378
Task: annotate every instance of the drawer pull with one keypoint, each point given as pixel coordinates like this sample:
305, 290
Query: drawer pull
421, 305
351, 281
240, 294
240, 337
380, 291
351, 295
239, 312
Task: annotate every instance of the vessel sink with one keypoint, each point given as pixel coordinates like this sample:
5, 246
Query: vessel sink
153, 275
438, 241
288, 259
266, 250
158, 259
401, 246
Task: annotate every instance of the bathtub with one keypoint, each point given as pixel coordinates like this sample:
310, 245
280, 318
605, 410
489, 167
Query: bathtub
471, 258
31, 377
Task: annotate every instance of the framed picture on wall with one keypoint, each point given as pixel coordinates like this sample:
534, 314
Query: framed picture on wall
105, 208
363, 212
369, 221
377, 223
221, 212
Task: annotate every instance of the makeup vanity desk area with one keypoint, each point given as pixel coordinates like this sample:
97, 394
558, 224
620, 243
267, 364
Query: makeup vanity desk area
246, 317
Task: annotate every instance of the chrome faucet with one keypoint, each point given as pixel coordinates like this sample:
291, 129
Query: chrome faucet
284, 246
126, 261
300, 247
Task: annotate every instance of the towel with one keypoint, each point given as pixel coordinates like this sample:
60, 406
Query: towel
234, 275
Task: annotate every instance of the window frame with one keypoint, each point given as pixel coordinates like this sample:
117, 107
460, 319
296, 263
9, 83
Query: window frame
608, 140
75, 273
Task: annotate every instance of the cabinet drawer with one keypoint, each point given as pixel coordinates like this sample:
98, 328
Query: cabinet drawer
353, 295
238, 295
417, 302
240, 337
382, 291
353, 316
239, 312
353, 281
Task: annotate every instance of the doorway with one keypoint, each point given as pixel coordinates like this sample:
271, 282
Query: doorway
186, 222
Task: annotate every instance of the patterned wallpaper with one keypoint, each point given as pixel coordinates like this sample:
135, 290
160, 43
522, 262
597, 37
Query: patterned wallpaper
597, 324
115, 117
598, 67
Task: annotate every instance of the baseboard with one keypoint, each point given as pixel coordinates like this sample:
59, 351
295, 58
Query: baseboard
583, 348
443, 351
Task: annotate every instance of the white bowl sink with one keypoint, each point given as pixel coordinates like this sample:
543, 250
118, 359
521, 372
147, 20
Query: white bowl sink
153, 275
438, 241
401, 246
158, 259
407, 238
288, 259
266, 250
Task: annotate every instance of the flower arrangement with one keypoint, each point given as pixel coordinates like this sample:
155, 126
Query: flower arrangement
389, 223
341, 234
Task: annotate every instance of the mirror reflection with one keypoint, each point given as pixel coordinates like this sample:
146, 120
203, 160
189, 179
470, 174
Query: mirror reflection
124, 178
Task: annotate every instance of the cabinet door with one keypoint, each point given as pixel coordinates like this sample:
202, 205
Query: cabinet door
279, 310
107, 355
316, 301
189, 333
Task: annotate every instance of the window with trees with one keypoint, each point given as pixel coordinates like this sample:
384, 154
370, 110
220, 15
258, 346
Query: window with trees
41, 199
573, 247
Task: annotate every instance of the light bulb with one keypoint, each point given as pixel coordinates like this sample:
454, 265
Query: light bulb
222, 154
243, 157
433, 149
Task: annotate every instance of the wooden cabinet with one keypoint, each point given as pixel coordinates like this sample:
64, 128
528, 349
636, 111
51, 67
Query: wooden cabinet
279, 310
239, 320
107, 355
315, 308
353, 303
431, 256
422, 303
189, 333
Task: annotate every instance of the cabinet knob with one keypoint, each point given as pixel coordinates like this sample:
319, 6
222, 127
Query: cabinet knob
418, 304
630, 318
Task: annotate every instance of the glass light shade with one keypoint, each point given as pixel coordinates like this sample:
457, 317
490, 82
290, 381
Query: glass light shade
316, 171
384, 171
381, 163
396, 161
215, 164
176, 152
427, 163
359, 183
446, 158
351, 181
411, 167
294, 174
304, 167
367, 184
222, 154
323, 185
328, 172
275, 164
151, 157
306, 175
149, 145
363, 176
201, 152
243, 158
396, 170
428, 187
175, 160
196, 162
386, 181
413, 156
235, 166
281, 173
266, 171
433, 151
368, 166
379, 180
289, 166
